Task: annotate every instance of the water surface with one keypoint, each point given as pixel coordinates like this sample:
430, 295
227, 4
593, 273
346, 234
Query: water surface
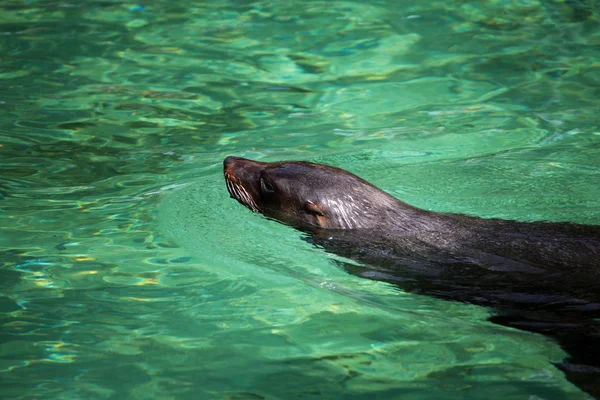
126, 272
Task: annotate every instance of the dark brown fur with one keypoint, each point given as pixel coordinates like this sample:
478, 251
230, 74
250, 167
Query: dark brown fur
541, 276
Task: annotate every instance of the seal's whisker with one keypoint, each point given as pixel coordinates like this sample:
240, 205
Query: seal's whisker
247, 198
239, 192
230, 188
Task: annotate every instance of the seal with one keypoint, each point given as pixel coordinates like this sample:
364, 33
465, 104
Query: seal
542, 277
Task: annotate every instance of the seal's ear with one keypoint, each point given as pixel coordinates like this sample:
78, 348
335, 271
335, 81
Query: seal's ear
313, 208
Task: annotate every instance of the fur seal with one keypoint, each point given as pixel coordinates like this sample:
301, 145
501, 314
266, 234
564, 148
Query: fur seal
542, 277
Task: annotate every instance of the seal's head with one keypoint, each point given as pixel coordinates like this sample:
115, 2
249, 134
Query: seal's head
307, 195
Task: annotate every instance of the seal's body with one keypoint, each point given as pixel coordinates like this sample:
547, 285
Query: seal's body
542, 276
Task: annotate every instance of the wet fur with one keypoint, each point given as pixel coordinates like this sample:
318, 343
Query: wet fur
542, 277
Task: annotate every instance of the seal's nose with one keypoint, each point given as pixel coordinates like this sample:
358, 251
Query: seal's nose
228, 161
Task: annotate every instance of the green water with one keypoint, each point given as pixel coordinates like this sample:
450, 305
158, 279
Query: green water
126, 272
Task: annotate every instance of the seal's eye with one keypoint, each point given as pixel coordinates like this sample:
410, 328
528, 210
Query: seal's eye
266, 186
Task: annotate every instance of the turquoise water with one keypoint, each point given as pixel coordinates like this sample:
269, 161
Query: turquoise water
126, 272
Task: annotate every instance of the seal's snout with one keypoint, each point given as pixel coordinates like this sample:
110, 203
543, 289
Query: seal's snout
236, 179
229, 161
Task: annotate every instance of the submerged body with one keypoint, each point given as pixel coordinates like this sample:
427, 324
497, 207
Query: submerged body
541, 276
